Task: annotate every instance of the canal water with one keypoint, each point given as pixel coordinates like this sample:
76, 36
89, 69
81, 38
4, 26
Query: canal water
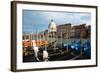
68, 41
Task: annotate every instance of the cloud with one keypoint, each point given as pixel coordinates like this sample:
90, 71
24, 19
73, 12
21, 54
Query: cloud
40, 20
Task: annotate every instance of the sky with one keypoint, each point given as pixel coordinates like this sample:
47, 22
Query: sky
39, 20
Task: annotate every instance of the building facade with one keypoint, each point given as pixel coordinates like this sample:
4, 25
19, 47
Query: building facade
64, 30
52, 31
78, 31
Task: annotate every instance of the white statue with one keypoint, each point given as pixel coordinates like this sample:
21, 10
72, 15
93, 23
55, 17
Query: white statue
45, 55
35, 48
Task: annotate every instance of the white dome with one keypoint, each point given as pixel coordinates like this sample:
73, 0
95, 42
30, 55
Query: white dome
52, 26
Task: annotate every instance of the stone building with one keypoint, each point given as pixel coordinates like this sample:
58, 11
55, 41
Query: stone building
64, 30
78, 31
88, 31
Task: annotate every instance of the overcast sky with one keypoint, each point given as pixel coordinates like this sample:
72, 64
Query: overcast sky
39, 20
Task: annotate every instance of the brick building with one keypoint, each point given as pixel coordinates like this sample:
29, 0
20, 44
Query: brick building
64, 30
78, 31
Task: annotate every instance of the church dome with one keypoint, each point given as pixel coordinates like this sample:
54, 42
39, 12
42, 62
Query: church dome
52, 26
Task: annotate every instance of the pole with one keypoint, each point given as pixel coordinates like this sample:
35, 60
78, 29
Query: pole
36, 37
61, 39
81, 42
45, 41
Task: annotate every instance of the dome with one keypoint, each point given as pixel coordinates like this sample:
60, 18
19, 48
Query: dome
52, 26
